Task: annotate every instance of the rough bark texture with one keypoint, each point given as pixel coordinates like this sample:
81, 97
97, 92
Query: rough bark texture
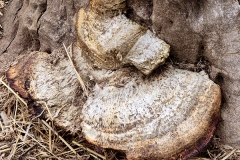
37, 25
194, 29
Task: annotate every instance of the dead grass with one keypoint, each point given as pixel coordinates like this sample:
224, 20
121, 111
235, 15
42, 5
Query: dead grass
23, 136
76, 72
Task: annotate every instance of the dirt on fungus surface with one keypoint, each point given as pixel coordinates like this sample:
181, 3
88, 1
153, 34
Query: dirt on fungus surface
24, 136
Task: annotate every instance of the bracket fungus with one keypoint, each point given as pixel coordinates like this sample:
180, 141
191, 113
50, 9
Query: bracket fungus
113, 40
163, 117
167, 115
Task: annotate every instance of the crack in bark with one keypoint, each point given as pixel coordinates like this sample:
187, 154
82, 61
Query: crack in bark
15, 33
11, 40
40, 16
18, 11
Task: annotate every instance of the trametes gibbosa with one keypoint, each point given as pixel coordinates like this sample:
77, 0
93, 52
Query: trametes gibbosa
171, 114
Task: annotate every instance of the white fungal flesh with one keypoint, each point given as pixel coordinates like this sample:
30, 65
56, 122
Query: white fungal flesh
148, 53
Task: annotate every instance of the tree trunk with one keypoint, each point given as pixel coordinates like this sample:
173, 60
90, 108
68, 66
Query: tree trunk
199, 33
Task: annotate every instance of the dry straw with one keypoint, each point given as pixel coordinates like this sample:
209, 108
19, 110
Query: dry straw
24, 136
77, 74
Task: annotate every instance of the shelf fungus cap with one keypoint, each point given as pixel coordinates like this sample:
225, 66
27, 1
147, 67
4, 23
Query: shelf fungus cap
41, 77
114, 41
169, 116
108, 38
48, 79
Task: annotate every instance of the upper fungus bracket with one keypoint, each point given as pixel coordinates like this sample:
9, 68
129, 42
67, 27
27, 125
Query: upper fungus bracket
132, 43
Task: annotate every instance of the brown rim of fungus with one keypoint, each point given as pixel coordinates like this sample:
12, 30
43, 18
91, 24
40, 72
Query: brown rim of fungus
16, 73
203, 142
